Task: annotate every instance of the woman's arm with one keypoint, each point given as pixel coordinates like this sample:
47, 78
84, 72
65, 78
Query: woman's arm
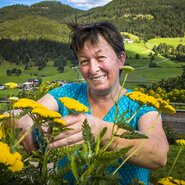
152, 152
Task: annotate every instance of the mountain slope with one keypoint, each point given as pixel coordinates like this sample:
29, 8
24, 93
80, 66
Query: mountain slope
145, 18
51, 9
34, 27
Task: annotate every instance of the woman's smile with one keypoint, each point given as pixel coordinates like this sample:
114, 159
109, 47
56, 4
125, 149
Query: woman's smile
98, 78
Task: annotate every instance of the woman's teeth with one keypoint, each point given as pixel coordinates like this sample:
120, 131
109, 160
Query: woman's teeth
98, 78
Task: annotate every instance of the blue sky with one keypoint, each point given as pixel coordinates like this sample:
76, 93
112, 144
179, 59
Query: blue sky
80, 4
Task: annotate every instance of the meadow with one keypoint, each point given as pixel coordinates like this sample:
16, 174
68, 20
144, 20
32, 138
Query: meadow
143, 75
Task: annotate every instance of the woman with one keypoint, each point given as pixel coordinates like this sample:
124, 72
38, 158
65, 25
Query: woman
100, 52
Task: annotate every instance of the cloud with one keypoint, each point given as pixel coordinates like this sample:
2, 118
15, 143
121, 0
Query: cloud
89, 3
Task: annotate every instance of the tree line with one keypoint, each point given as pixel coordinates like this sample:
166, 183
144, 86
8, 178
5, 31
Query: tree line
172, 52
36, 53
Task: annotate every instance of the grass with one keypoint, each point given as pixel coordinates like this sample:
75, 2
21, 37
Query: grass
178, 170
169, 41
137, 48
142, 75
49, 73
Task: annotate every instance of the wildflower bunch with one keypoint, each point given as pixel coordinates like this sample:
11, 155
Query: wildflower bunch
159, 104
12, 160
143, 99
73, 105
25, 103
170, 181
8, 156
165, 107
181, 142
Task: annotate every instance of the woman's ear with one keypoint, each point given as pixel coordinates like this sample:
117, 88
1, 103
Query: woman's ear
123, 58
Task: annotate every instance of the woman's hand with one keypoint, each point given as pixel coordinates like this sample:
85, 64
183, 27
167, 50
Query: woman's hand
74, 136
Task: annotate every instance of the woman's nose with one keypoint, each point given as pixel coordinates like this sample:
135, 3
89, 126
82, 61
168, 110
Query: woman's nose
94, 66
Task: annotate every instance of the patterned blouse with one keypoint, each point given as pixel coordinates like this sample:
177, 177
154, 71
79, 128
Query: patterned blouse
127, 172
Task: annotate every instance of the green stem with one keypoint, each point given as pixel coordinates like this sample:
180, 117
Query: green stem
174, 162
130, 119
108, 143
23, 136
123, 84
44, 166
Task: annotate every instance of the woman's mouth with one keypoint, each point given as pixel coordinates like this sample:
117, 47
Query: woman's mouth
98, 78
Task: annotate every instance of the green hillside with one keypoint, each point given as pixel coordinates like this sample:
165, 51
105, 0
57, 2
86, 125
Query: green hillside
144, 18
34, 27
50, 9
170, 41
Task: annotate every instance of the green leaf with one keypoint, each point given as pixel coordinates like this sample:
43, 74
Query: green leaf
100, 136
108, 156
74, 167
125, 126
132, 135
87, 135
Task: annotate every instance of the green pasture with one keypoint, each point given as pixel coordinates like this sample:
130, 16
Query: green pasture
169, 41
142, 74
137, 48
49, 73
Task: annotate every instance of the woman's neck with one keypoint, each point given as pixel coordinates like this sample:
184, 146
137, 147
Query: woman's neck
106, 97
101, 104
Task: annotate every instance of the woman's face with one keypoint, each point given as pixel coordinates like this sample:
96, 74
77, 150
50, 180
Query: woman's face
99, 66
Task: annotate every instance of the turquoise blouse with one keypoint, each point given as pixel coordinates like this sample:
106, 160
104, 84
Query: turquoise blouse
79, 92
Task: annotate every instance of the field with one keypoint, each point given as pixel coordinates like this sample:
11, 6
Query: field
142, 75
169, 41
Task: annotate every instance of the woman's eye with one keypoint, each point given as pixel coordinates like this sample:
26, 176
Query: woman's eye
84, 62
101, 58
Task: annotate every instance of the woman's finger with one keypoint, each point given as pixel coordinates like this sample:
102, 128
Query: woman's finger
71, 140
73, 118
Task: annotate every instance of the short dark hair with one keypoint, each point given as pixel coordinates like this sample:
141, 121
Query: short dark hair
91, 32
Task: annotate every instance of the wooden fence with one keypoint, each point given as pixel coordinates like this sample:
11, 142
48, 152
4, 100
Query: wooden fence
176, 121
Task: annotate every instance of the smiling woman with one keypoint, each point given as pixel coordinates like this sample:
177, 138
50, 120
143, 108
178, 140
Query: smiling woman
99, 49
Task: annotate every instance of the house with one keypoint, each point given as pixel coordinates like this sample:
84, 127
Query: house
127, 40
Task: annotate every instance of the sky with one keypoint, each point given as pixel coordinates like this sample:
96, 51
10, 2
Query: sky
80, 4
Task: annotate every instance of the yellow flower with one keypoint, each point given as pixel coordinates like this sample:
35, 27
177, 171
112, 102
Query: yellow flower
143, 99
170, 181
11, 85
17, 166
165, 107
73, 104
127, 69
181, 142
17, 156
13, 161
57, 120
45, 113
26, 103
4, 117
